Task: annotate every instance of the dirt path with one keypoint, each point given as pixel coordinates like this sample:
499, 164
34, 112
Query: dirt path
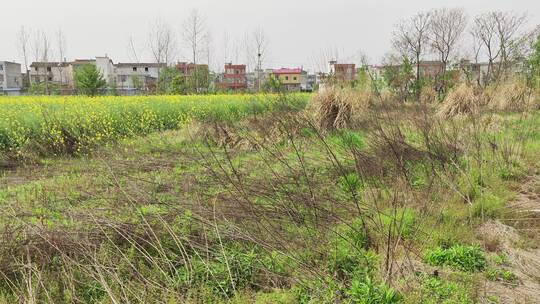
518, 238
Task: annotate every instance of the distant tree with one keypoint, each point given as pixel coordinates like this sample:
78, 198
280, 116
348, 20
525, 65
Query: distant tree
260, 43
534, 65
411, 39
446, 29
178, 85
272, 85
162, 42
89, 80
399, 77
136, 81
23, 38
61, 46
171, 81
502, 39
41, 49
195, 36
199, 80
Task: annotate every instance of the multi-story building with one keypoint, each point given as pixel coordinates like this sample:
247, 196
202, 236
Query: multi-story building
234, 78
57, 73
128, 78
344, 72
132, 77
188, 69
10, 78
294, 79
430, 69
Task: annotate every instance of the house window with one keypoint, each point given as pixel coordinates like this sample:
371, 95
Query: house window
286, 77
1, 67
146, 69
294, 78
134, 69
36, 68
48, 69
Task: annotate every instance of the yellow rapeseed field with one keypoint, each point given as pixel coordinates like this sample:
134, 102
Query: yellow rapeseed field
74, 123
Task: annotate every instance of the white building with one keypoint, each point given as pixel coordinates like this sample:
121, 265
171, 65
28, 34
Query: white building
10, 78
131, 77
57, 73
127, 78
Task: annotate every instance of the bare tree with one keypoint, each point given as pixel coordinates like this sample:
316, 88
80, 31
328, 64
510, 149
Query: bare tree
260, 43
132, 50
411, 38
501, 37
61, 45
162, 43
446, 29
61, 49
225, 47
321, 60
195, 34
41, 49
23, 38
511, 38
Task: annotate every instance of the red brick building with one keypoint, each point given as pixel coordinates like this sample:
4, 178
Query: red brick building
188, 68
430, 69
343, 71
234, 77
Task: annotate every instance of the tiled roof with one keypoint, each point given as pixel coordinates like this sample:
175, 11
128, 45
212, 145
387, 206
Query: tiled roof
138, 64
287, 71
49, 64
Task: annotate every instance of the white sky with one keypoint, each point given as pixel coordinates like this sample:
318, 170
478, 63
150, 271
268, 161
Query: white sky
298, 30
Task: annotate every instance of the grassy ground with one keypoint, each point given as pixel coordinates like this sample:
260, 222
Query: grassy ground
399, 207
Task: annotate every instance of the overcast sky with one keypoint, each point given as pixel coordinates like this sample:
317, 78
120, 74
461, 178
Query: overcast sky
298, 30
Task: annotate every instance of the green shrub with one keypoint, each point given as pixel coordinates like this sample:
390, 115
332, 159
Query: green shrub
436, 291
368, 292
494, 274
350, 183
351, 139
464, 258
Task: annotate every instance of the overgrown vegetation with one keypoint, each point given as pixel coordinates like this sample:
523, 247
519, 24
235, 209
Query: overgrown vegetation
354, 197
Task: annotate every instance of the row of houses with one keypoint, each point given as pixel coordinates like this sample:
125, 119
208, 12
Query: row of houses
131, 78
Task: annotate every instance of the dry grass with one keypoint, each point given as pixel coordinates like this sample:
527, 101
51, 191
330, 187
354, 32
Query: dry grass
428, 95
512, 96
464, 99
335, 108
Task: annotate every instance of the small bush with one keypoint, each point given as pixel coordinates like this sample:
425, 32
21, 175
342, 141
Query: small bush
350, 183
464, 258
368, 292
437, 291
503, 275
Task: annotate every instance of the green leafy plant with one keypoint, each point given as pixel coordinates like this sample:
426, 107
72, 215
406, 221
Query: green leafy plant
437, 291
461, 257
494, 274
368, 292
